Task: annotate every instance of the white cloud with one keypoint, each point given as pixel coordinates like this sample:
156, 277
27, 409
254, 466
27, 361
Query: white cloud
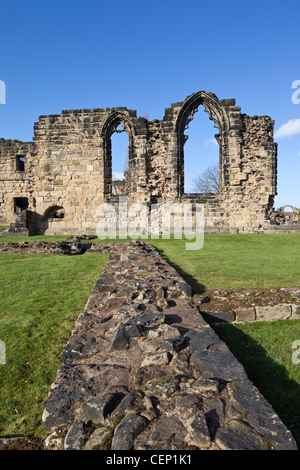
117, 176
188, 186
211, 141
188, 176
291, 128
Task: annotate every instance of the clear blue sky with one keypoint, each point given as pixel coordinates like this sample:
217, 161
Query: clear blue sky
69, 54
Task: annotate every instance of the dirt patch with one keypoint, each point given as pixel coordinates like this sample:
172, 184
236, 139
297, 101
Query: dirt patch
21, 443
225, 300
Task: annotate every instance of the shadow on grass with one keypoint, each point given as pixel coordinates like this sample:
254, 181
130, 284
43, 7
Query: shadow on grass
197, 287
271, 378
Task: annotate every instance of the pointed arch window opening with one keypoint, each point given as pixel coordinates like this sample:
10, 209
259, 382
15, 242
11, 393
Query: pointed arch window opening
202, 177
119, 162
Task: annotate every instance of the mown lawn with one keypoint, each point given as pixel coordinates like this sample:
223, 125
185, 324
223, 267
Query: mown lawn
41, 297
227, 261
231, 261
269, 354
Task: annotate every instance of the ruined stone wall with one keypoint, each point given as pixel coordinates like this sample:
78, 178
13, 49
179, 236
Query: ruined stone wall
73, 167
14, 183
68, 166
68, 170
251, 193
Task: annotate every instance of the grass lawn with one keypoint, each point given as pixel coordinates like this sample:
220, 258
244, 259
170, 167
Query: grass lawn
265, 349
227, 261
41, 297
236, 261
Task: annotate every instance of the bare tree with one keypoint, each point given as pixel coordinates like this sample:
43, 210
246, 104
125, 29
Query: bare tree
208, 181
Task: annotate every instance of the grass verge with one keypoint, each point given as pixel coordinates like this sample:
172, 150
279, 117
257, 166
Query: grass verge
266, 352
41, 297
242, 261
226, 261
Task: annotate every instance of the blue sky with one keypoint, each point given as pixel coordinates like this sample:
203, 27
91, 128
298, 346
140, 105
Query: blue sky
69, 54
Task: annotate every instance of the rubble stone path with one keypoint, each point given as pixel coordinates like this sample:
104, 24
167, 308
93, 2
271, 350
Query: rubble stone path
143, 370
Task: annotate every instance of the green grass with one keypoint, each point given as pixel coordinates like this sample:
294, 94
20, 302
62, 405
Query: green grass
265, 349
227, 261
236, 261
41, 297
230, 261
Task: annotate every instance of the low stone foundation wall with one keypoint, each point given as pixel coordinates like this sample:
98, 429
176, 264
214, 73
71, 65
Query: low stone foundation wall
252, 314
250, 305
143, 370
73, 247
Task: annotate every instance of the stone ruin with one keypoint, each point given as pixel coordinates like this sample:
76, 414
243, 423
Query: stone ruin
144, 371
284, 217
61, 177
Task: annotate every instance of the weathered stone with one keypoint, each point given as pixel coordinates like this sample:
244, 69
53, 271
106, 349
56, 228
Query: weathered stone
98, 409
197, 427
78, 384
98, 439
295, 311
168, 431
129, 428
219, 365
131, 403
188, 405
201, 339
75, 436
207, 385
121, 341
163, 387
184, 289
244, 314
54, 441
238, 436
158, 359
277, 312
174, 344
247, 404
60, 165
136, 327
148, 411
84, 345
218, 317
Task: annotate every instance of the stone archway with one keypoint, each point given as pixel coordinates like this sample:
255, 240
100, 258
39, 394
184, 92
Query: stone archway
109, 127
216, 113
54, 213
